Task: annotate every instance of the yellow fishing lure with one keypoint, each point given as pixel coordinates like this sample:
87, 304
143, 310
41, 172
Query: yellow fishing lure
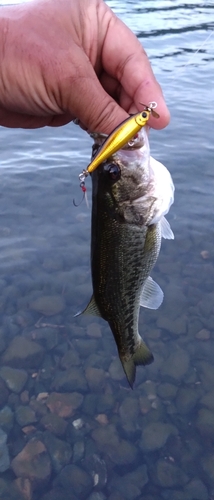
120, 136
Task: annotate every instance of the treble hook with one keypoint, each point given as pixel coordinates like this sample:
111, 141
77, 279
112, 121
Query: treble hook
82, 177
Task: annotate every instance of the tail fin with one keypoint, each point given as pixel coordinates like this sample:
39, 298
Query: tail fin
142, 356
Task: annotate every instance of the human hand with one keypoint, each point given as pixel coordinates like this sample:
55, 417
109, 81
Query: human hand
66, 59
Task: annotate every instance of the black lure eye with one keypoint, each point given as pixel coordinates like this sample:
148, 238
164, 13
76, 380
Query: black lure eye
114, 172
144, 114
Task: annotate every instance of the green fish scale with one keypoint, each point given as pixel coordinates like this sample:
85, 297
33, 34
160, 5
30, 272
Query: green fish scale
123, 255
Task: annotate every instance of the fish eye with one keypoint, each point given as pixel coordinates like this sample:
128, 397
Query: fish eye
144, 114
114, 172
95, 148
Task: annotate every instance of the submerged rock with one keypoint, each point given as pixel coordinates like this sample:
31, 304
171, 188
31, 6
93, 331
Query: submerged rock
208, 400
97, 469
105, 402
127, 490
197, 490
33, 463
15, 379
115, 370
94, 330
203, 334
64, 405
167, 391
176, 365
155, 435
177, 494
4, 393
53, 423
70, 358
130, 485
10, 491
76, 480
60, 452
48, 305
25, 487
59, 494
97, 495
86, 347
186, 399
47, 336
205, 422
116, 496
4, 454
78, 451
6, 419
129, 410
95, 378
207, 463
25, 415
23, 353
70, 380
206, 371
119, 450
169, 475
176, 326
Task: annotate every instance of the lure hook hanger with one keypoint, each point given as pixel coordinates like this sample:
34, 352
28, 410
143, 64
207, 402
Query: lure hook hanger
152, 105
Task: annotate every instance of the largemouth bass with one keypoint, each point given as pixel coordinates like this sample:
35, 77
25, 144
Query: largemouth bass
131, 193
121, 135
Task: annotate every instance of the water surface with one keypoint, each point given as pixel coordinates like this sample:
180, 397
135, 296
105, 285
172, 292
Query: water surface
155, 442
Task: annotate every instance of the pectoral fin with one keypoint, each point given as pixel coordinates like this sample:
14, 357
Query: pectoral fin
152, 295
142, 356
166, 231
91, 308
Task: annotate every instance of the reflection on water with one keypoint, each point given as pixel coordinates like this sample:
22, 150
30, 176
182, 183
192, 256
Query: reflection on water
70, 428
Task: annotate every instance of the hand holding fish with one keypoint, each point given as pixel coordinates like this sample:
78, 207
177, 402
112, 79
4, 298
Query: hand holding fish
63, 59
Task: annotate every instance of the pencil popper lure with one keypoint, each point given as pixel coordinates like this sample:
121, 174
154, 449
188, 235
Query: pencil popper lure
120, 136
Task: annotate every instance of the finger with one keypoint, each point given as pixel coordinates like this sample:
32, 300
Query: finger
110, 85
114, 89
125, 59
85, 98
19, 120
60, 120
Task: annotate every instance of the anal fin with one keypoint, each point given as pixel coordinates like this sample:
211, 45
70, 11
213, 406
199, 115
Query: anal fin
91, 309
152, 295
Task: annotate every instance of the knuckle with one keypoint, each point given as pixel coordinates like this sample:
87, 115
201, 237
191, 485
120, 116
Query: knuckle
102, 119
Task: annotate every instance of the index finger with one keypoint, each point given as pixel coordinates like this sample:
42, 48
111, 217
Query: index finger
125, 59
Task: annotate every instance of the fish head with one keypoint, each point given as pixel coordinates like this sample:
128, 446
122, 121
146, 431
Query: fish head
124, 171
124, 178
135, 185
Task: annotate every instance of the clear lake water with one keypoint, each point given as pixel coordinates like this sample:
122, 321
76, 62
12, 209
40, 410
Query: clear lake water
70, 427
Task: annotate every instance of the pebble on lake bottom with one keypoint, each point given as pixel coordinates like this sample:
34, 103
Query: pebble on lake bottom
70, 427
33, 463
64, 405
48, 305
